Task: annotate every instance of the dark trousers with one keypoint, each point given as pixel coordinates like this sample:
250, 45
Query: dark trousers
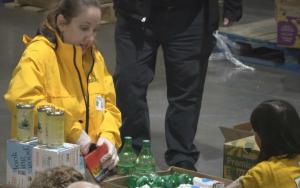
180, 33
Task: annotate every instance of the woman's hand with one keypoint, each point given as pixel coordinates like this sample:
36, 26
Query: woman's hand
84, 142
111, 159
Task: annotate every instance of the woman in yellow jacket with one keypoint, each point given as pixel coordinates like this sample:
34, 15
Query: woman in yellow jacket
277, 133
62, 67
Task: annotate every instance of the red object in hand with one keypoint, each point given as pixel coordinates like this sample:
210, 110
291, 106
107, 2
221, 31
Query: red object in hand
92, 160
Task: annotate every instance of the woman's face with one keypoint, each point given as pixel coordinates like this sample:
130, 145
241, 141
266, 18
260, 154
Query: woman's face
82, 29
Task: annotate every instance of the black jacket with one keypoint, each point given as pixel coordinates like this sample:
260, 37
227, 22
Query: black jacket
139, 10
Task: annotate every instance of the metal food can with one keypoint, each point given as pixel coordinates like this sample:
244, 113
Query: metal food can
25, 121
41, 126
55, 128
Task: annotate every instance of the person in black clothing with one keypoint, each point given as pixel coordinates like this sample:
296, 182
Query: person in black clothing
184, 31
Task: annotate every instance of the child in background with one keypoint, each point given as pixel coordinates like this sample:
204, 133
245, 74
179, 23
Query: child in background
277, 133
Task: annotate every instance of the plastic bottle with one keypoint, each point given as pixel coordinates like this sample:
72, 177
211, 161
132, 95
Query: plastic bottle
159, 181
127, 158
207, 183
172, 181
145, 163
185, 179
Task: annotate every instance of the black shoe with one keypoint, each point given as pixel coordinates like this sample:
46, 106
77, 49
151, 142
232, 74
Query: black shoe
186, 165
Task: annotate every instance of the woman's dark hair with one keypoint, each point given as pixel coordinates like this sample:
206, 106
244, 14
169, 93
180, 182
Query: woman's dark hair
278, 125
69, 9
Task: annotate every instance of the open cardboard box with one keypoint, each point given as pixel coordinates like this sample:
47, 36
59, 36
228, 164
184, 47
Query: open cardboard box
240, 150
238, 131
121, 181
239, 156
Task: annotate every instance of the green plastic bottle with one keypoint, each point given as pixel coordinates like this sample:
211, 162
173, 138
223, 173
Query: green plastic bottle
159, 181
172, 181
145, 163
185, 179
132, 181
127, 158
143, 180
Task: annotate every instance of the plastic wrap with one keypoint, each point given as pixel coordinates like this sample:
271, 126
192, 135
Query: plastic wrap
224, 44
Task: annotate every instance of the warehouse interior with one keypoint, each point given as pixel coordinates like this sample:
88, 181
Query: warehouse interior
230, 92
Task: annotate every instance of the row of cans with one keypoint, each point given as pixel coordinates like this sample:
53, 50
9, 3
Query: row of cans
50, 125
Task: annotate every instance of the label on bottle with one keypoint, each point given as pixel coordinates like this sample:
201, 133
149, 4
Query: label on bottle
25, 122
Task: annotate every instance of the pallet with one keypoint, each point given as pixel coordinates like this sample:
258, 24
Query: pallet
108, 14
258, 41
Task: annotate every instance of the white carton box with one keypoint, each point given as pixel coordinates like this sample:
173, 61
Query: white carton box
19, 162
44, 158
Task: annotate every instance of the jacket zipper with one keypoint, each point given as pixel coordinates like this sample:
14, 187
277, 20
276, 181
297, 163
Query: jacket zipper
88, 95
86, 100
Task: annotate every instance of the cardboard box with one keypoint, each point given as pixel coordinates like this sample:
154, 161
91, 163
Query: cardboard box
121, 182
39, 3
239, 156
44, 158
47, 4
238, 131
288, 23
19, 162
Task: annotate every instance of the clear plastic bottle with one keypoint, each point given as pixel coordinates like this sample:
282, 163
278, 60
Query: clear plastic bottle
127, 158
145, 163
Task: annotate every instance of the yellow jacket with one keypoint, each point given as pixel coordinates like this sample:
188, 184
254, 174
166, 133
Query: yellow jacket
55, 73
276, 172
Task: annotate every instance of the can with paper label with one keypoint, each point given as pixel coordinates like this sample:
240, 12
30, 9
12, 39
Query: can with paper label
25, 121
42, 128
55, 128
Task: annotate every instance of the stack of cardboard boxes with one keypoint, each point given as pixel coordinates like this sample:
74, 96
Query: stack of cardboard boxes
26, 159
287, 13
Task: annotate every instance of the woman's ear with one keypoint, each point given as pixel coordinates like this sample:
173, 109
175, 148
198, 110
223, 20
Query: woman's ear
61, 22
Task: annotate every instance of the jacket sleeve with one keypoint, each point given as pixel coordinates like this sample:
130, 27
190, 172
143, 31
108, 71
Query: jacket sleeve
112, 119
26, 86
232, 9
258, 176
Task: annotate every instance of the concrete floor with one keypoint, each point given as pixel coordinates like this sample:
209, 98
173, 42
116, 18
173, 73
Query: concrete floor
229, 97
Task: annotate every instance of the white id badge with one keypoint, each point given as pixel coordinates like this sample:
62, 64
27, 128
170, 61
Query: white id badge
100, 103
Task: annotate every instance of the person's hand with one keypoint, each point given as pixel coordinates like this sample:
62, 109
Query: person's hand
84, 142
227, 22
111, 158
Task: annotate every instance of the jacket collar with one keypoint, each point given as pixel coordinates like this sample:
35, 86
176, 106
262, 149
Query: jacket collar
66, 53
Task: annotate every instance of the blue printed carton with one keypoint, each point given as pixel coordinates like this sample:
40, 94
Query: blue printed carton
45, 158
19, 162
